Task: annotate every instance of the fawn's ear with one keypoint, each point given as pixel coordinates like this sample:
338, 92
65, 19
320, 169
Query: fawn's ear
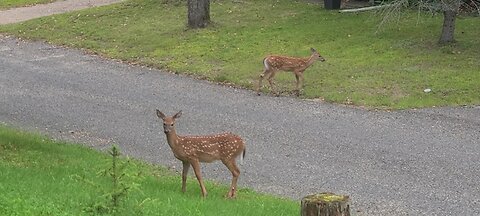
160, 114
178, 114
313, 50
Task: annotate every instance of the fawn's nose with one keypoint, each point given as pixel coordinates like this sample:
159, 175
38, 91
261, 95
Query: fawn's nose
166, 129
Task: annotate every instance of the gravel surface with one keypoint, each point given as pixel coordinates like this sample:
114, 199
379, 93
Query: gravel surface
15, 15
413, 162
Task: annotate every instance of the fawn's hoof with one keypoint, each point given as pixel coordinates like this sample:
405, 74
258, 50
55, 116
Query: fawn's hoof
230, 196
298, 93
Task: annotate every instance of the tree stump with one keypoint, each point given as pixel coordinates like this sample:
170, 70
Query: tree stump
325, 204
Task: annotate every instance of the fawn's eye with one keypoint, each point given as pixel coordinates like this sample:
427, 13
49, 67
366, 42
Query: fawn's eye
171, 125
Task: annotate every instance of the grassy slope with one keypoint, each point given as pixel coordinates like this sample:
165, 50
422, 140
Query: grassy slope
40, 177
5, 4
389, 69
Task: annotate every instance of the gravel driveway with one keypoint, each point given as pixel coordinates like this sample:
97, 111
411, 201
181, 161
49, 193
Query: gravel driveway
414, 162
15, 15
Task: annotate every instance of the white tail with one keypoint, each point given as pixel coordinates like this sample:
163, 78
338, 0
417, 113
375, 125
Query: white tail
274, 63
192, 150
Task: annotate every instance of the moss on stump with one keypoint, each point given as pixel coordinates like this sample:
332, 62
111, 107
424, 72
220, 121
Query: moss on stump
325, 204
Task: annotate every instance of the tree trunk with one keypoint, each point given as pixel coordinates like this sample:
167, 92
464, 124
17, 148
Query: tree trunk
325, 204
198, 13
448, 29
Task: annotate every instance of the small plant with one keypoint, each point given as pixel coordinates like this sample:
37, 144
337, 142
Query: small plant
122, 182
116, 172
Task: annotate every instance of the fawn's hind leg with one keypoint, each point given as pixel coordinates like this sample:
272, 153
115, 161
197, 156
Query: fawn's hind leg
260, 81
232, 166
272, 84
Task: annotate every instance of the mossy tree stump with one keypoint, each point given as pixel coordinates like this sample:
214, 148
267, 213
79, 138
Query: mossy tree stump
325, 204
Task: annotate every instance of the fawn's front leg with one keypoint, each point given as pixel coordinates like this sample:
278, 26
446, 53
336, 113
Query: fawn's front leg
198, 173
299, 84
186, 166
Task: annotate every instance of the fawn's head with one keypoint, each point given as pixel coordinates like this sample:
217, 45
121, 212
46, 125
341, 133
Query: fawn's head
168, 122
317, 55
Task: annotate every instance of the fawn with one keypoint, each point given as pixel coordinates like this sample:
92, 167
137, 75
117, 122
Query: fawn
274, 63
192, 150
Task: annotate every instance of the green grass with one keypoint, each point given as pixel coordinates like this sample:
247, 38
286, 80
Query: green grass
40, 176
6, 4
389, 69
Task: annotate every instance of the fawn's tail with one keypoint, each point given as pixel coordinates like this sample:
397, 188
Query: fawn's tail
243, 156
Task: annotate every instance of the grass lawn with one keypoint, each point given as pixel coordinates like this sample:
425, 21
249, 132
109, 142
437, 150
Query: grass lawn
389, 69
5, 4
40, 176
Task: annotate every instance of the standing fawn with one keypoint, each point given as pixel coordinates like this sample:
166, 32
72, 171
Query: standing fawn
192, 150
274, 63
